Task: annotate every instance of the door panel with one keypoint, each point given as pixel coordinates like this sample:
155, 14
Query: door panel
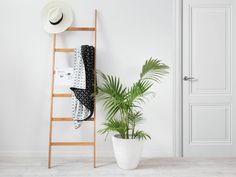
210, 46
201, 121
208, 98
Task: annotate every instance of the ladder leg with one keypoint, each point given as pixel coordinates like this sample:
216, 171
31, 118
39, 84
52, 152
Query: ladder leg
49, 154
49, 143
94, 155
51, 104
49, 157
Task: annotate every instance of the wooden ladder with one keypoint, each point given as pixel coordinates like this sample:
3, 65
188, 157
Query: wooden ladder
53, 95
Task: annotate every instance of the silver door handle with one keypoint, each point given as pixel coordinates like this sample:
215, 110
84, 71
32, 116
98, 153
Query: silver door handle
186, 78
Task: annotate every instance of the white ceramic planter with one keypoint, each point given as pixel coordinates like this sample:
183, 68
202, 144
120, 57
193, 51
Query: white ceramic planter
127, 152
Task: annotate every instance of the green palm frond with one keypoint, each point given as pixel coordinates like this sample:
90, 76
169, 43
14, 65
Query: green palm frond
114, 125
113, 94
135, 118
153, 69
111, 86
141, 135
138, 92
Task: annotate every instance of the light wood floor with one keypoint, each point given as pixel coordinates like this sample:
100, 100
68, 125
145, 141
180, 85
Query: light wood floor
156, 167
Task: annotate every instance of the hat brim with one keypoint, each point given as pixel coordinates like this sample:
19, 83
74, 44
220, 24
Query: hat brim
66, 21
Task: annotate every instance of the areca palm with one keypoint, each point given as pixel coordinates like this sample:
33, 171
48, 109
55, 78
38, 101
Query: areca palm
123, 104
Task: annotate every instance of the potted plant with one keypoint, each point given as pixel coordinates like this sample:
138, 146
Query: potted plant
123, 111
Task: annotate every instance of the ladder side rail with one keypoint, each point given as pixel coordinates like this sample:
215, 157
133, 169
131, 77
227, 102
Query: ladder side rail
51, 101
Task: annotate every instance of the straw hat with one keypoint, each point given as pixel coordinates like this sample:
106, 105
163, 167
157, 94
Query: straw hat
56, 17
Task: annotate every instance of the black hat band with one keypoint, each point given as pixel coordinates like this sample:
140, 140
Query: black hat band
59, 21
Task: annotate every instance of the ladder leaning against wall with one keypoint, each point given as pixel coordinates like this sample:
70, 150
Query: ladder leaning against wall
63, 95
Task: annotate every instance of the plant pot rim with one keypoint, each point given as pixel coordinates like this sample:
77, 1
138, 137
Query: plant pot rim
117, 136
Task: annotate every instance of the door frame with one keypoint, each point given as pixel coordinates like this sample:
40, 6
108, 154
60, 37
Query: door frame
177, 78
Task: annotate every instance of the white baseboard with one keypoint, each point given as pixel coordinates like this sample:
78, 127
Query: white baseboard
78, 153
55, 153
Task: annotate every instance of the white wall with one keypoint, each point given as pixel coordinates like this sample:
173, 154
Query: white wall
129, 32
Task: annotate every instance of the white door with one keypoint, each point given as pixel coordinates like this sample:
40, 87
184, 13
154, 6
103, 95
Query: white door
209, 78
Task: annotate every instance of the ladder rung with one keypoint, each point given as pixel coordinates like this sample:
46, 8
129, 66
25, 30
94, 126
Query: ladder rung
64, 50
62, 95
81, 29
72, 143
67, 119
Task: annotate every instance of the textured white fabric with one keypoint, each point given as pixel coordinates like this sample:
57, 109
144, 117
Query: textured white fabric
79, 111
79, 71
